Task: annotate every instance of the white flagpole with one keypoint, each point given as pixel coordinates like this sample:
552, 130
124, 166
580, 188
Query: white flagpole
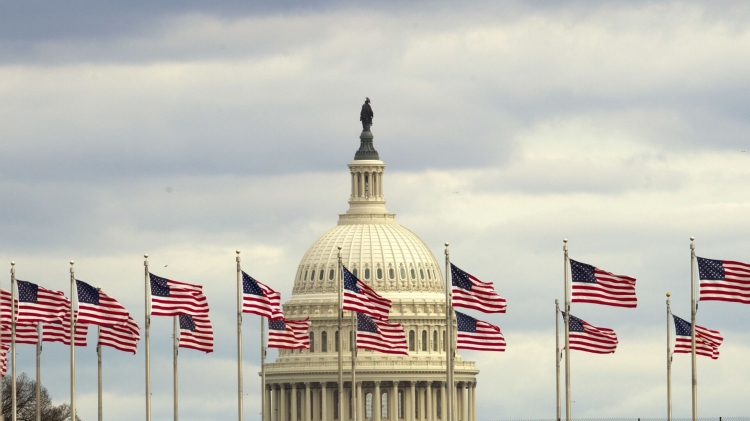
669, 363
266, 410
13, 288
148, 337
354, 366
175, 345
566, 321
450, 387
38, 371
72, 344
693, 309
100, 406
557, 356
239, 350
341, 341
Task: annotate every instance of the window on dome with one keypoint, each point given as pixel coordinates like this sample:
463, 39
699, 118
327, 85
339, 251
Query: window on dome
322, 272
368, 405
312, 341
336, 335
354, 272
367, 273
312, 275
421, 273
411, 340
400, 404
424, 340
391, 273
380, 273
403, 273
384, 405
413, 274
434, 340
330, 275
324, 341
429, 276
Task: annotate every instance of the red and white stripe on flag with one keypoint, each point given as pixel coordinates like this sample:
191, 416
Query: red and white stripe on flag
706, 343
49, 306
478, 335
108, 312
724, 280
5, 305
595, 286
360, 297
470, 292
26, 333
172, 298
60, 332
123, 337
197, 334
589, 338
289, 334
260, 299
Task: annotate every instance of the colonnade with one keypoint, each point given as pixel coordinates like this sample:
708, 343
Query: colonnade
414, 401
367, 184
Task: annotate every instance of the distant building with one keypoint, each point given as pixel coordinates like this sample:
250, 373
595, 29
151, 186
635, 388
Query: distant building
302, 385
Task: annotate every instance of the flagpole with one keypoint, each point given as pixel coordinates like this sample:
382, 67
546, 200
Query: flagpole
669, 365
38, 371
354, 366
100, 406
72, 344
148, 338
557, 356
566, 321
175, 344
450, 387
341, 354
692, 327
239, 349
265, 410
13, 289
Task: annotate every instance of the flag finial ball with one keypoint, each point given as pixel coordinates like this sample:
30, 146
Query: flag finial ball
71, 262
447, 244
692, 238
12, 263
238, 252
146, 256
669, 295
339, 247
565, 240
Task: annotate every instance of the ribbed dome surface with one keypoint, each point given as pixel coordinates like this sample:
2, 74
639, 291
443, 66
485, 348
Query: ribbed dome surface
386, 256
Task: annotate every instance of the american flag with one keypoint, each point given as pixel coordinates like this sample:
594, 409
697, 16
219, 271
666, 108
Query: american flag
596, 286
5, 320
289, 334
724, 280
478, 335
26, 333
172, 298
3, 361
706, 341
380, 335
259, 299
60, 332
38, 304
470, 292
123, 337
361, 298
588, 338
196, 333
97, 308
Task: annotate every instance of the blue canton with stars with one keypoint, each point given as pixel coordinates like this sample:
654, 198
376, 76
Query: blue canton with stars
581, 272
682, 327
277, 324
250, 285
86, 293
350, 281
710, 270
366, 324
460, 278
27, 292
466, 323
575, 324
159, 286
187, 323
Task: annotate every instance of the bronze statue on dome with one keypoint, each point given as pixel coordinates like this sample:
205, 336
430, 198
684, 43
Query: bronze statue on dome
365, 116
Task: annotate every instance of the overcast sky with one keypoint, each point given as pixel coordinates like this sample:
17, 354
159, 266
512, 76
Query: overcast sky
188, 131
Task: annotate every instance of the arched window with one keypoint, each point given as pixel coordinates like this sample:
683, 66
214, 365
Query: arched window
434, 340
413, 274
322, 272
428, 274
368, 405
424, 340
403, 273
391, 273
305, 277
367, 273
351, 340
330, 274
312, 275
354, 272
411, 340
384, 405
336, 335
324, 341
444, 341
380, 273
400, 404
312, 341
421, 273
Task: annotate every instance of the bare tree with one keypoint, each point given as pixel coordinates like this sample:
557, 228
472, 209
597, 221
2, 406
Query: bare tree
26, 401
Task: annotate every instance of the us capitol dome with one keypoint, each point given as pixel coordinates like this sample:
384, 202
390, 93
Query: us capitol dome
302, 385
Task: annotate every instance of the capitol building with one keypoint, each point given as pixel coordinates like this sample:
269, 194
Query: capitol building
303, 385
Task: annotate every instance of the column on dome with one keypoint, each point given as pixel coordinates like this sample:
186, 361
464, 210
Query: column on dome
306, 407
269, 408
412, 407
354, 184
293, 402
380, 184
474, 401
428, 404
282, 403
274, 403
361, 184
393, 402
360, 403
324, 402
443, 402
457, 402
376, 408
